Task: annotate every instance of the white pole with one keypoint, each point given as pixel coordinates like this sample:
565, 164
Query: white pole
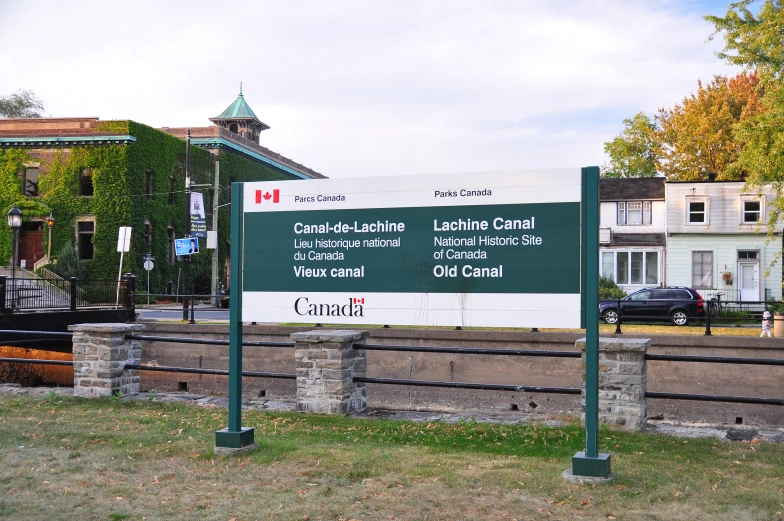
119, 278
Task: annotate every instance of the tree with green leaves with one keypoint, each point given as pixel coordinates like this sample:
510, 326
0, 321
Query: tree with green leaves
754, 41
23, 104
632, 152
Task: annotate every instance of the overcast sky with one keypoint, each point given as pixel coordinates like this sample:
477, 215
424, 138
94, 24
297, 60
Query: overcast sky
363, 88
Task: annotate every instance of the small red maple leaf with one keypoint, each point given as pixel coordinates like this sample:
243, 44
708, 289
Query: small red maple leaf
267, 196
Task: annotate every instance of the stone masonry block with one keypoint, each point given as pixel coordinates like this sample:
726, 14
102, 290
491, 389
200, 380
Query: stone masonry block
100, 354
328, 386
622, 380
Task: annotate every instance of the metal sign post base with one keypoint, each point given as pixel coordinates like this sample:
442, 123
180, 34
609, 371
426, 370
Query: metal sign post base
241, 439
583, 465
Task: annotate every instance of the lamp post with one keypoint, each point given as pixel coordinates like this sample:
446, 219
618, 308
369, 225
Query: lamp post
50, 224
15, 222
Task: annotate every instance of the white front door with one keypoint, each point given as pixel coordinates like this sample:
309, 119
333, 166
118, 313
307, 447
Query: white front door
749, 281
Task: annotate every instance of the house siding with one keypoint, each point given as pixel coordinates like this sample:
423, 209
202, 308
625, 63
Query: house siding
725, 259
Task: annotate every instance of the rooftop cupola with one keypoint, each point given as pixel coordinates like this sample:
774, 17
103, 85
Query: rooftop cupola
240, 119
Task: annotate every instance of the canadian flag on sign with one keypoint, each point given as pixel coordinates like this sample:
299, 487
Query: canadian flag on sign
261, 195
359, 300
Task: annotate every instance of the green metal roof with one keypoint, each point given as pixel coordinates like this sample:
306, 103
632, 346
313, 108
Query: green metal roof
238, 109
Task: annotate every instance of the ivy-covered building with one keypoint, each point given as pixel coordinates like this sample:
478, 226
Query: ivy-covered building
95, 176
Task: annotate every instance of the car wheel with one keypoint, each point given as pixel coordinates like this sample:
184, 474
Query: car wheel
610, 316
680, 318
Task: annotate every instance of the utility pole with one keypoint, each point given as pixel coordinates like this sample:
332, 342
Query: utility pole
187, 258
215, 206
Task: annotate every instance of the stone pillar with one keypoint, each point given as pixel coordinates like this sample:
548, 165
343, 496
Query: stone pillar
100, 353
326, 366
778, 324
623, 379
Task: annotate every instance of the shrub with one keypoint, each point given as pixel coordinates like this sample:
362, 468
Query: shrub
68, 263
609, 289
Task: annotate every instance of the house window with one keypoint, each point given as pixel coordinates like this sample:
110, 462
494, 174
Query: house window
171, 191
697, 210
752, 210
702, 269
30, 181
634, 213
631, 267
86, 183
171, 251
748, 255
84, 239
148, 184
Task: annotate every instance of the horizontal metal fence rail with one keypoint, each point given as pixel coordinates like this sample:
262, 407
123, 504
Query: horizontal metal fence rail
206, 341
62, 334
715, 398
469, 385
468, 350
220, 372
716, 359
34, 361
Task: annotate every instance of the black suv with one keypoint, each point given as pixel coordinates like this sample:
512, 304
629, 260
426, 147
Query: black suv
677, 304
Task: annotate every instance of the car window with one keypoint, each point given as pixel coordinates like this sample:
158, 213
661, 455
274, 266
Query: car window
640, 295
681, 294
660, 294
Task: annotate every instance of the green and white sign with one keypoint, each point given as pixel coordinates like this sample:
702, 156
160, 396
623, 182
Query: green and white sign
491, 249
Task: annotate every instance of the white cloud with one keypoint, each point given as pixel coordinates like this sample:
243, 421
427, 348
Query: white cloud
367, 88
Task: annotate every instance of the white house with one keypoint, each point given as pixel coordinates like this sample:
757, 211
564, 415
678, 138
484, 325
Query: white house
632, 240
717, 240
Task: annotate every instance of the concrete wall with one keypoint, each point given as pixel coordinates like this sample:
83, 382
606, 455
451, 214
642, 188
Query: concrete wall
678, 377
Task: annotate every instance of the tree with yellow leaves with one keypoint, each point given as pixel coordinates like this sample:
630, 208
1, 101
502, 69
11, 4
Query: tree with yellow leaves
697, 137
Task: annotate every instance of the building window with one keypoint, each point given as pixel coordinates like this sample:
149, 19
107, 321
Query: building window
171, 191
752, 211
148, 235
30, 181
631, 267
702, 269
171, 251
697, 210
86, 183
748, 255
233, 128
148, 184
84, 239
634, 213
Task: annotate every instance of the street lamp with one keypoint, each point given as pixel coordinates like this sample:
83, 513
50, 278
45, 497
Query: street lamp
50, 224
15, 222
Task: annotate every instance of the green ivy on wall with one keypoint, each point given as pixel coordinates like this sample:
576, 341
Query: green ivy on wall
120, 198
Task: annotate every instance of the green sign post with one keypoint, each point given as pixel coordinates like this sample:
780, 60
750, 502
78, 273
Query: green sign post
590, 462
235, 436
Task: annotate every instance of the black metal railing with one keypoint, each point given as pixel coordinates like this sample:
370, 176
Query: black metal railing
774, 362
48, 292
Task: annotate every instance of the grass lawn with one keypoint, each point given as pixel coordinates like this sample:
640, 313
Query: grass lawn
67, 458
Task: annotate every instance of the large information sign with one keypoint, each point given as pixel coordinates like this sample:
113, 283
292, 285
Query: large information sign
491, 249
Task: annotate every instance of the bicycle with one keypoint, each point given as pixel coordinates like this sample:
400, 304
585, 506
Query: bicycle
715, 303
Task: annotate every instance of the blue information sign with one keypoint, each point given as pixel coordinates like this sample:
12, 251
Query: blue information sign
187, 246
